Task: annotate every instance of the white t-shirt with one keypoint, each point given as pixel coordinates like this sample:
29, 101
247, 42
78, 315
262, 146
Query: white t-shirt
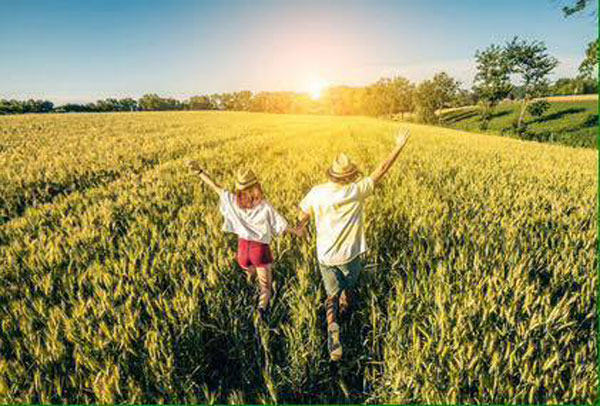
259, 223
338, 212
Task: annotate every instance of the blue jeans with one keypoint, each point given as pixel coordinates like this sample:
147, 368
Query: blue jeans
341, 277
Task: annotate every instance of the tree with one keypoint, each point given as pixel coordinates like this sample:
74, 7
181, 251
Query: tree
26, 106
127, 104
579, 6
464, 97
402, 95
389, 96
152, 102
590, 62
433, 95
344, 100
242, 100
538, 108
532, 63
200, 103
578, 85
492, 80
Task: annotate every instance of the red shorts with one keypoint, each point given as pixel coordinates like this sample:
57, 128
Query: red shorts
253, 253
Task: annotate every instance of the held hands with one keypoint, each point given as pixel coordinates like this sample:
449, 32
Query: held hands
402, 137
298, 231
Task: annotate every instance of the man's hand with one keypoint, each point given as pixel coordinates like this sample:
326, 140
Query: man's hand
195, 166
402, 137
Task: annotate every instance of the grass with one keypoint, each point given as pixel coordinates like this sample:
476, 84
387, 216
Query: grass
117, 284
573, 123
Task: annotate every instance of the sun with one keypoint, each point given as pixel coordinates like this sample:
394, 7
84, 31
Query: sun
316, 88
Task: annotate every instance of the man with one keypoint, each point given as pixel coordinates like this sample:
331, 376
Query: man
337, 207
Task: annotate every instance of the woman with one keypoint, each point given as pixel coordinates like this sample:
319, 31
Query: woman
249, 215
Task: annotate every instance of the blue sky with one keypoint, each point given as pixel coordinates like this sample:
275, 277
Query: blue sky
78, 51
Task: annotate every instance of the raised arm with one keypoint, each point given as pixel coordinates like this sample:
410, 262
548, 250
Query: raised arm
385, 166
194, 166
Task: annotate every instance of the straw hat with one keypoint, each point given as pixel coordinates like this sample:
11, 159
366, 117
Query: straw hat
244, 179
342, 167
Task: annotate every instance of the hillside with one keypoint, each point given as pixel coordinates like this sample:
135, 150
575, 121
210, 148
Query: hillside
569, 121
118, 285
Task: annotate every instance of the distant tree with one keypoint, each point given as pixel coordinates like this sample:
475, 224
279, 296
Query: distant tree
492, 81
532, 63
200, 103
11, 107
76, 108
106, 105
344, 100
127, 104
578, 85
242, 101
402, 95
152, 102
465, 97
389, 96
590, 63
25, 106
273, 102
433, 95
149, 102
227, 101
216, 101
302, 103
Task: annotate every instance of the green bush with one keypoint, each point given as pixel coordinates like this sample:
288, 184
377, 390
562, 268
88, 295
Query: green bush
538, 108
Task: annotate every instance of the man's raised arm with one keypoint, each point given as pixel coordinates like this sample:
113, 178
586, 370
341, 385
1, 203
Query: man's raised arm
385, 166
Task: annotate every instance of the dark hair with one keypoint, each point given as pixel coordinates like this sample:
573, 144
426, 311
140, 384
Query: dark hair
249, 198
345, 179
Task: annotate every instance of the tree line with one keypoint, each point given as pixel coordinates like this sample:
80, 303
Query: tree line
497, 68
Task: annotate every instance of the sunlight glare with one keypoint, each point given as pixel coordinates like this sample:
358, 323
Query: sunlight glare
316, 88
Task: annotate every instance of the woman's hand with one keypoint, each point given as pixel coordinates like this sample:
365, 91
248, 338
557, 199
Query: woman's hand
195, 166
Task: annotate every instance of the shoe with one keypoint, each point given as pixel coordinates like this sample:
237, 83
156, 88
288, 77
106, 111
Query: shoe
333, 342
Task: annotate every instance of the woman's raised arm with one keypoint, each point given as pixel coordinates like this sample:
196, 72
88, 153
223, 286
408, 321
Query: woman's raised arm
195, 166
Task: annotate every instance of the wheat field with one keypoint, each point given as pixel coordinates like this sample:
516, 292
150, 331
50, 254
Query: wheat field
117, 284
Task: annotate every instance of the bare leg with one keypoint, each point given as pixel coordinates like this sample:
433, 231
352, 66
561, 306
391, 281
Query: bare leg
250, 273
333, 329
331, 305
265, 280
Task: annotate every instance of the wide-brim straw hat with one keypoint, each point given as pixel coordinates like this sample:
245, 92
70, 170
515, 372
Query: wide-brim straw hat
244, 179
342, 167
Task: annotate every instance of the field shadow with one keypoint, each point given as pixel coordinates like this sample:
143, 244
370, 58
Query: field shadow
453, 118
501, 113
559, 114
212, 356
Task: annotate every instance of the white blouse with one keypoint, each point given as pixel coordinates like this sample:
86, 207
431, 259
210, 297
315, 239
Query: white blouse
259, 223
